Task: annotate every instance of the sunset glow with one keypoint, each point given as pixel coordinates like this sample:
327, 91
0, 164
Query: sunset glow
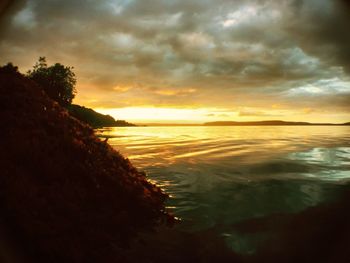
175, 61
159, 115
154, 115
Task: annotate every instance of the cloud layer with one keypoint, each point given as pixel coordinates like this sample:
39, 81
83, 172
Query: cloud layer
177, 53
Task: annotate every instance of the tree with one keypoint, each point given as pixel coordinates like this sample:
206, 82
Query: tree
9, 68
57, 80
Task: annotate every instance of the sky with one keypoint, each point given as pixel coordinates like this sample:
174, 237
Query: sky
191, 61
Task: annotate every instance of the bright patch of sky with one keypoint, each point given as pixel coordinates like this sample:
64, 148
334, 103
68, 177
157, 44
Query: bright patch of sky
322, 87
25, 18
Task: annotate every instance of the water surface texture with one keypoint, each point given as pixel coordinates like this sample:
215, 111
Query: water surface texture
219, 176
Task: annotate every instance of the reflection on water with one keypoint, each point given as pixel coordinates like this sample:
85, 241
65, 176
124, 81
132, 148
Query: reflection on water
218, 176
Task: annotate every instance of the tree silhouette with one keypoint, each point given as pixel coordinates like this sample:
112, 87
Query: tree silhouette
57, 80
9, 68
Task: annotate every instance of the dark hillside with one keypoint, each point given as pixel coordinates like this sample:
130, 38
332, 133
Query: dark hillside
65, 196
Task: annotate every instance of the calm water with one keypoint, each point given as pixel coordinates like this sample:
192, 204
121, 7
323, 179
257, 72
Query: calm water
219, 176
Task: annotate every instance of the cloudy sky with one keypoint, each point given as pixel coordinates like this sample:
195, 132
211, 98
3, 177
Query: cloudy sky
192, 60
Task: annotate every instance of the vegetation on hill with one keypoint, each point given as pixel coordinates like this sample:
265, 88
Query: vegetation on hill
65, 195
94, 118
58, 81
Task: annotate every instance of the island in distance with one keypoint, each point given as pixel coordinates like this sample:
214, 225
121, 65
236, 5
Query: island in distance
265, 123
247, 123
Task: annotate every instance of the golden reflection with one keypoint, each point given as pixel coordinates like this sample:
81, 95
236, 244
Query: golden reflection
164, 146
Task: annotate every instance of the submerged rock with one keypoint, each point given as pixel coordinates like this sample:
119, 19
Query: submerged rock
66, 196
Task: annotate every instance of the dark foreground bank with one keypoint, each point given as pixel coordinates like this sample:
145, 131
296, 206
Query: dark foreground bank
65, 195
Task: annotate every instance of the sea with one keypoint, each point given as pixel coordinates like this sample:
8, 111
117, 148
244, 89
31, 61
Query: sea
219, 176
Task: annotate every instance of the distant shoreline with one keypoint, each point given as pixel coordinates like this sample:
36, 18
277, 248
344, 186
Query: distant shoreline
202, 125
221, 124
271, 123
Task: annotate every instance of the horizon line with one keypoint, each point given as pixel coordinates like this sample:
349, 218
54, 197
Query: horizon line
245, 123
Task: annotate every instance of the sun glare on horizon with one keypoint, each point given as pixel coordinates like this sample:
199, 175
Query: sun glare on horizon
193, 61
162, 115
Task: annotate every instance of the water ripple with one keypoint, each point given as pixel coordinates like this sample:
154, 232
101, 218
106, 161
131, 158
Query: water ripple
217, 176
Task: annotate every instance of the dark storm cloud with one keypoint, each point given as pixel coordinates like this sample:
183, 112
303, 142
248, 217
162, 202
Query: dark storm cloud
190, 52
324, 30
